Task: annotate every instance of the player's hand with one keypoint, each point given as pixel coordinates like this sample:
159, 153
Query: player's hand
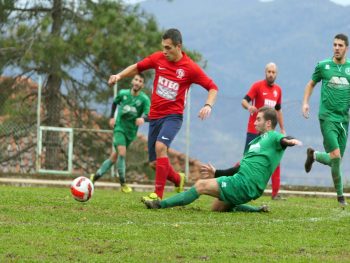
113, 79
306, 110
294, 142
207, 170
139, 121
111, 122
283, 131
204, 112
252, 109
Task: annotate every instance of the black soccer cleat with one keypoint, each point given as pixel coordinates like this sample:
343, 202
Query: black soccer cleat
94, 178
341, 201
278, 198
152, 204
264, 209
309, 159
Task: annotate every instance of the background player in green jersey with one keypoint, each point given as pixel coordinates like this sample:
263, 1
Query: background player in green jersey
333, 112
133, 112
232, 192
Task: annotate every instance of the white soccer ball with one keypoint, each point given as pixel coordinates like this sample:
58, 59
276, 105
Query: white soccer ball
82, 189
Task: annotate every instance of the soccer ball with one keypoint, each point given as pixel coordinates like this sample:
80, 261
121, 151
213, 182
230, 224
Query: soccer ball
82, 189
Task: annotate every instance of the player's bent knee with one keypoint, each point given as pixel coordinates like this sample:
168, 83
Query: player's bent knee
200, 186
161, 149
113, 157
207, 187
335, 154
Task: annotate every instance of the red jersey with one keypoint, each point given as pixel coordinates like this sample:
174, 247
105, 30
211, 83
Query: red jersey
171, 83
262, 95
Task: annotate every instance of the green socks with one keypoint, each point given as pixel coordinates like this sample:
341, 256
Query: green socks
323, 157
245, 208
106, 165
121, 169
337, 176
180, 199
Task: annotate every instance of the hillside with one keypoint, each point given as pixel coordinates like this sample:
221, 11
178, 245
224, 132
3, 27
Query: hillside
237, 38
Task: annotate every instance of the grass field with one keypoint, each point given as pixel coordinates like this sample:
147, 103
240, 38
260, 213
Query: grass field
47, 225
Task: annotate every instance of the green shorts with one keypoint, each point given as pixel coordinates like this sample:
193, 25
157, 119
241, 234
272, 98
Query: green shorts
335, 135
235, 190
119, 138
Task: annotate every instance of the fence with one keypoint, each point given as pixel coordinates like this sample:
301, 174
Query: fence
21, 152
220, 143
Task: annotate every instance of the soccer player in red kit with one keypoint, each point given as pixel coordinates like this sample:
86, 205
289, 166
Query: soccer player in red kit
174, 74
265, 93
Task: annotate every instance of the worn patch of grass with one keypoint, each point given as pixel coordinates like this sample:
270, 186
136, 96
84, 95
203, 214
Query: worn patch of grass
46, 224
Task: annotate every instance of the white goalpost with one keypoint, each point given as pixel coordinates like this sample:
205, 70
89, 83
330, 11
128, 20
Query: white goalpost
55, 152
66, 141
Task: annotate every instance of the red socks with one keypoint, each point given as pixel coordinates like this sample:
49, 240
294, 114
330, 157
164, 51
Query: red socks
173, 176
276, 181
164, 171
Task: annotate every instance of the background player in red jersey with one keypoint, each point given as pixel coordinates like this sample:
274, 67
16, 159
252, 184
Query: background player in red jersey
265, 93
174, 74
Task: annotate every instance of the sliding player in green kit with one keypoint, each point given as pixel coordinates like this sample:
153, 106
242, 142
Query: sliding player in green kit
133, 111
258, 163
333, 112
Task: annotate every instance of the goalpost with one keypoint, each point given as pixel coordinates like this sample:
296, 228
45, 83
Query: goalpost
66, 139
64, 144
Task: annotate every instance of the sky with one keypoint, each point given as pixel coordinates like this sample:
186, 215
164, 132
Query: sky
340, 2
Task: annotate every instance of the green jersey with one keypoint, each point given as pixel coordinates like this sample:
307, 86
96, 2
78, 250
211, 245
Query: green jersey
335, 90
261, 160
129, 109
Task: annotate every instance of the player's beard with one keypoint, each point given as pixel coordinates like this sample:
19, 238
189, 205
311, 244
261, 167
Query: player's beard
270, 81
338, 58
135, 90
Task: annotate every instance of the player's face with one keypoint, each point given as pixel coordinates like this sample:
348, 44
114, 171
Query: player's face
171, 52
137, 83
270, 74
339, 49
260, 123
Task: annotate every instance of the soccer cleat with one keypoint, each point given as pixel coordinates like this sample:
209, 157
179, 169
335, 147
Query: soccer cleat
342, 202
180, 188
150, 197
278, 198
264, 208
125, 188
93, 178
309, 159
152, 204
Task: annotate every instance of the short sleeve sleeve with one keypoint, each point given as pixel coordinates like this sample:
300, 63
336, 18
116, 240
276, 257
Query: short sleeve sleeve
316, 76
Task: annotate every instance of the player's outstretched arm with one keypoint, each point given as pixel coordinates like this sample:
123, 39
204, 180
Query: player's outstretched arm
289, 141
127, 72
207, 170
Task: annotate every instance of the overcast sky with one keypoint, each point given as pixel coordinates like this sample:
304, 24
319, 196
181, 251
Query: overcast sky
341, 2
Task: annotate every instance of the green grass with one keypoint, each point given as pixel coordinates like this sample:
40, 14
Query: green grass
47, 225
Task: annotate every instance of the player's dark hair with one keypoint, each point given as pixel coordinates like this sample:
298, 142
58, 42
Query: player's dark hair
173, 34
343, 37
141, 75
269, 115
